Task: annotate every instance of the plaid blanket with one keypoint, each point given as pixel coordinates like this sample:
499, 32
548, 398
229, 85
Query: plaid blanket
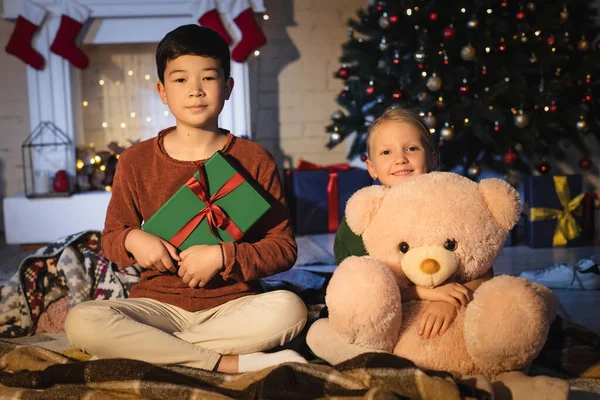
31, 372
72, 266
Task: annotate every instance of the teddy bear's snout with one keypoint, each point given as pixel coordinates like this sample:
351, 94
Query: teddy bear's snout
430, 266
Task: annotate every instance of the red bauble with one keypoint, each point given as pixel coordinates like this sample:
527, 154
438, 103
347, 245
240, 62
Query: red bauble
363, 158
496, 128
504, 4
397, 95
343, 73
370, 90
393, 18
433, 16
502, 47
587, 98
449, 33
585, 163
551, 40
543, 168
61, 182
464, 90
344, 93
510, 157
520, 15
553, 107
420, 66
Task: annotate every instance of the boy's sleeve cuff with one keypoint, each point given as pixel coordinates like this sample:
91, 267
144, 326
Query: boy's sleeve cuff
229, 251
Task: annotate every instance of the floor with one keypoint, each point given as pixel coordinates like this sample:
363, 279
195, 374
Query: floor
577, 305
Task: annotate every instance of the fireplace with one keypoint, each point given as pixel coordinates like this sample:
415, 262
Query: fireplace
56, 93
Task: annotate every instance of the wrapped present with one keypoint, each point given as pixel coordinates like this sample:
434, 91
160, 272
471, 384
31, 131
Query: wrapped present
590, 218
317, 195
553, 208
215, 205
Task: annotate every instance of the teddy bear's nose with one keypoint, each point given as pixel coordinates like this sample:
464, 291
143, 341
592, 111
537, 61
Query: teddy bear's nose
430, 266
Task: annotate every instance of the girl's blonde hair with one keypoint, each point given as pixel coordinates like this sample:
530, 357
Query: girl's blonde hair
410, 117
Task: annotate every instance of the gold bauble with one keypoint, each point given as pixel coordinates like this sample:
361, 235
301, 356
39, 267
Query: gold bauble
564, 14
430, 120
467, 53
582, 125
422, 96
583, 45
434, 83
447, 132
521, 120
473, 23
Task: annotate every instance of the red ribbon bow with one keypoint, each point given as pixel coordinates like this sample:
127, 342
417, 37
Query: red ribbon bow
215, 216
333, 196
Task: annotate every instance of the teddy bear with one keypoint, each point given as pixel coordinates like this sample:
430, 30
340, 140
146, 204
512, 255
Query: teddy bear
430, 230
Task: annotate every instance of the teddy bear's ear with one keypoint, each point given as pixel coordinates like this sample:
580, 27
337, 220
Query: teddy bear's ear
502, 200
362, 206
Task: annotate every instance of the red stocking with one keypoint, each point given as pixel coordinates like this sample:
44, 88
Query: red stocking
20, 43
65, 42
205, 11
252, 36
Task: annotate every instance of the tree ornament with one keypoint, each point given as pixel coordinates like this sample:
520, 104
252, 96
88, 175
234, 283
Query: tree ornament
335, 138
449, 32
434, 83
496, 126
520, 15
397, 95
393, 18
430, 120
564, 14
504, 4
433, 16
473, 23
510, 157
551, 40
344, 92
383, 45
467, 53
543, 167
533, 58
553, 107
337, 115
531, 6
512, 177
583, 44
474, 171
447, 132
422, 96
582, 125
363, 157
440, 103
585, 162
370, 89
419, 56
384, 22
521, 120
343, 72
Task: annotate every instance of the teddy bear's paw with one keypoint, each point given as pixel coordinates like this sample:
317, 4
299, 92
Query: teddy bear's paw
505, 325
364, 303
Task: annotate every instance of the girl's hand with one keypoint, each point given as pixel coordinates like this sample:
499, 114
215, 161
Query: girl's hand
199, 264
436, 319
453, 293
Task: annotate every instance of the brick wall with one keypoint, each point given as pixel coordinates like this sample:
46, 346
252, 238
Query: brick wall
14, 118
293, 88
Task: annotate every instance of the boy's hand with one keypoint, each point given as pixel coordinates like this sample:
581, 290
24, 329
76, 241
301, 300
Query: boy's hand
454, 293
436, 319
199, 264
150, 251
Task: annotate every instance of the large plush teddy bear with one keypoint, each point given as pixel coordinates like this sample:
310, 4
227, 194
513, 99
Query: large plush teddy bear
430, 230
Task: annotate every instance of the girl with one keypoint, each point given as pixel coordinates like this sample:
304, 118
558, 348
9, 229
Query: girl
400, 146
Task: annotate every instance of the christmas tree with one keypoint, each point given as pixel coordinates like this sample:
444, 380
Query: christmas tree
501, 83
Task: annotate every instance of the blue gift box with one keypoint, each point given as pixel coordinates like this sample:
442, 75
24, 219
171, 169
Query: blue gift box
544, 210
307, 195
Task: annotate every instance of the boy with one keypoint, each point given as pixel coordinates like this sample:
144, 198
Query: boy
200, 308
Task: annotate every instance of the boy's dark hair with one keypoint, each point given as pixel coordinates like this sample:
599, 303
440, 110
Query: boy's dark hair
192, 40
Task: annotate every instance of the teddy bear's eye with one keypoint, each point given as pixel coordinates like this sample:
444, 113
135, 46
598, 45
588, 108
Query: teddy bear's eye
403, 247
450, 244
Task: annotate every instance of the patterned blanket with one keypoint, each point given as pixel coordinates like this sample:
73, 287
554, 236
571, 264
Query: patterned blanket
72, 267
31, 372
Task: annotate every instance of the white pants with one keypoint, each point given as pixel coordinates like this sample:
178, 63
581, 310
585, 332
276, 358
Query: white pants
159, 333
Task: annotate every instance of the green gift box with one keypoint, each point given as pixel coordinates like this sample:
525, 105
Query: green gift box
216, 205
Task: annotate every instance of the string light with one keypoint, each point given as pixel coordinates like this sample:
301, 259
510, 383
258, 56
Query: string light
85, 103
148, 119
166, 113
132, 115
104, 124
123, 125
147, 77
101, 82
256, 53
130, 73
266, 17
